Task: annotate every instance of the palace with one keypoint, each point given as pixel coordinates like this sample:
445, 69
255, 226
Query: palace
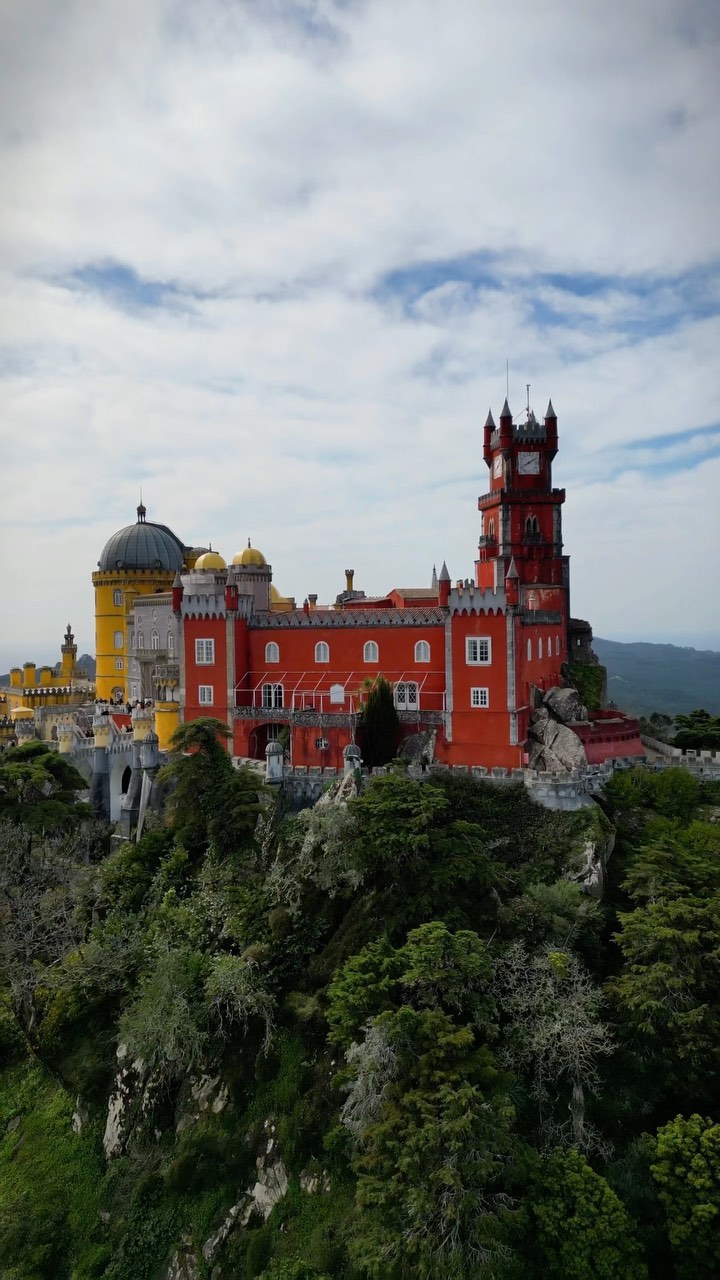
467, 658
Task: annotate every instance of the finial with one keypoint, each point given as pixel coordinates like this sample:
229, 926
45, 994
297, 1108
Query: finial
249, 543
434, 579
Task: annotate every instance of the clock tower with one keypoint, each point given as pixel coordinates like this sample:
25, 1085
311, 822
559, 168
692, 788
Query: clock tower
521, 513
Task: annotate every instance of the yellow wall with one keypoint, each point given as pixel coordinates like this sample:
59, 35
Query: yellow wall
167, 719
111, 617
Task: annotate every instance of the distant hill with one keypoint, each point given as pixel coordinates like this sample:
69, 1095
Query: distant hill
643, 678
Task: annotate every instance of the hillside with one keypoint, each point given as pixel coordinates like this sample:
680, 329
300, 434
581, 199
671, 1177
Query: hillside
643, 678
387, 1039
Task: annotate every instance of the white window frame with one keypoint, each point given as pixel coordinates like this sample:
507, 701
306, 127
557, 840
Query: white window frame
480, 699
117, 597
540, 647
119, 640
119, 664
529, 649
205, 653
154, 639
171, 644
272, 651
422, 651
371, 652
474, 648
404, 699
322, 651
273, 696
206, 695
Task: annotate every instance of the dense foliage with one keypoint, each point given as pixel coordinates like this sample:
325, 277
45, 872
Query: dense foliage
401, 1012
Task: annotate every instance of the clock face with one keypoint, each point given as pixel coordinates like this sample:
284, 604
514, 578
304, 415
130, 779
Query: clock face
497, 466
528, 464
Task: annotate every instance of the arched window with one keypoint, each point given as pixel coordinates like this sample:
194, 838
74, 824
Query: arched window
272, 651
529, 649
322, 651
154, 640
139, 640
422, 651
557, 646
540, 647
491, 529
171, 645
370, 651
118, 639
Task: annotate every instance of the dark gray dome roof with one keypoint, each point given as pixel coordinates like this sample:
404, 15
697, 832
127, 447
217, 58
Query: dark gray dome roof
143, 546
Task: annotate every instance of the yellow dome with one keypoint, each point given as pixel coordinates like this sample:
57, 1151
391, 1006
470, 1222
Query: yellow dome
210, 560
249, 556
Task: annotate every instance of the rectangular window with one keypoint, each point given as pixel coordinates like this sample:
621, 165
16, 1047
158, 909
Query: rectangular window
478, 651
272, 695
206, 695
479, 698
204, 652
117, 597
119, 640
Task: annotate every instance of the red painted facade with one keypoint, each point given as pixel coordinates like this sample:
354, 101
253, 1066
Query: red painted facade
462, 658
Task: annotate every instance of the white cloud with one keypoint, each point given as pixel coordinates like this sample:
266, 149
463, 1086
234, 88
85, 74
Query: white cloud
282, 169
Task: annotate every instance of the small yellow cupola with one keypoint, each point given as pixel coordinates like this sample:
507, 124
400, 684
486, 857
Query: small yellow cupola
210, 560
250, 556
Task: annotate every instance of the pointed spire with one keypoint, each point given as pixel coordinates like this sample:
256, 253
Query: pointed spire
550, 412
505, 412
434, 579
490, 421
444, 575
512, 569
177, 580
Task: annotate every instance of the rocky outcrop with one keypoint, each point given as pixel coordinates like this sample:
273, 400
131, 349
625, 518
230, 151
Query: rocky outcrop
131, 1102
565, 705
259, 1200
588, 869
552, 745
419, 749
184, 1264
206, 1094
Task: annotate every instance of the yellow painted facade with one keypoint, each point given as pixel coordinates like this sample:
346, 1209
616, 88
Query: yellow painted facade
32, 689
115, 593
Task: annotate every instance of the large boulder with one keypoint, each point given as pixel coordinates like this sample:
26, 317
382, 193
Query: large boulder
419, 749
565, 705
553, 746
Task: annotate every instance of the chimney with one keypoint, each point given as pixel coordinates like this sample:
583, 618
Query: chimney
349, 575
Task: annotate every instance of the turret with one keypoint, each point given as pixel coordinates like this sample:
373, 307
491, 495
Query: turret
444, 587
551, 429
506, 427
177, 593
512, 579
487, 437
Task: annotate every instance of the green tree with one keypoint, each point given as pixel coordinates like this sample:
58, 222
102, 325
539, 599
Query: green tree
698, 731
429, 1170
378, 724
668, 994
39, 788
580, 1228
687, 1172
551, 1007
212, 802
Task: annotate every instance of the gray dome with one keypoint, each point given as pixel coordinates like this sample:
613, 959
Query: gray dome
143, 546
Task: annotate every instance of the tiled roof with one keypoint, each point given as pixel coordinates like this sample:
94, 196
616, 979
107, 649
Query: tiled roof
297, 619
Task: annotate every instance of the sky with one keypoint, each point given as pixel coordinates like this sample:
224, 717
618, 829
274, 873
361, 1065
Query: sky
268, 260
